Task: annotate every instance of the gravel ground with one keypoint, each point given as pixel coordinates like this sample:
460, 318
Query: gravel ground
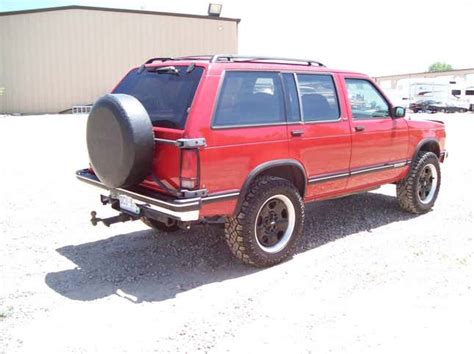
368, 278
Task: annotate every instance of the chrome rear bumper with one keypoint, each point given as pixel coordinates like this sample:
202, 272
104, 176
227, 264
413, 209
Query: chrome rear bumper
186, 209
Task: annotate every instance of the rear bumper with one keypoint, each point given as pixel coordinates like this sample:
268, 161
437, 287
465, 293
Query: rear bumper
149, 202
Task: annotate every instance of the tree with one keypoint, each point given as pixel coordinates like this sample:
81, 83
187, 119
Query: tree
439, 66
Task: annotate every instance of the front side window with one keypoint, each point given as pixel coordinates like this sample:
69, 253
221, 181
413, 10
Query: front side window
318, 97
250, 98
366, 102
165, 92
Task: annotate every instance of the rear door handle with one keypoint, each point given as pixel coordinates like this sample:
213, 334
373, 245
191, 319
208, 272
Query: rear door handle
297, 132
359, 128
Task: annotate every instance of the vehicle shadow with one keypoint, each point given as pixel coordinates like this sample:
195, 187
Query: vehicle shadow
142, 266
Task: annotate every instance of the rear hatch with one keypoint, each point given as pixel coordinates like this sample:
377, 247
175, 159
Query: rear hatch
167, 93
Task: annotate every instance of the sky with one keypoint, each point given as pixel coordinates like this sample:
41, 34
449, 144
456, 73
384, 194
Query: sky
375, 37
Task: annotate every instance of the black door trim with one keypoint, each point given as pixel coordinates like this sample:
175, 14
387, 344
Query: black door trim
361, 170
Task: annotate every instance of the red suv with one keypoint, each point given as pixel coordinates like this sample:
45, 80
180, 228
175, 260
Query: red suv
248, 141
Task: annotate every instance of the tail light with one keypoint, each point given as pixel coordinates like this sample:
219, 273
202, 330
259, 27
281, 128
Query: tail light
189, 178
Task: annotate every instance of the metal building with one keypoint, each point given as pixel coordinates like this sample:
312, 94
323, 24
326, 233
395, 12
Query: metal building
52, 59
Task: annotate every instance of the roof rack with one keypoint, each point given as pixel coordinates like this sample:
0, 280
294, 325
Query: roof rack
248, 58
238, 58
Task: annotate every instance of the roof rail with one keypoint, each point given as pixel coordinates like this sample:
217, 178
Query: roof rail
248, 58
195, 57
236, 58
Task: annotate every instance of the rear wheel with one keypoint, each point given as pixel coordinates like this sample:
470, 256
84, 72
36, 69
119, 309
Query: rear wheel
269, 224
417, 193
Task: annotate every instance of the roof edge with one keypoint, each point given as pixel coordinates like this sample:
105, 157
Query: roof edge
112, 9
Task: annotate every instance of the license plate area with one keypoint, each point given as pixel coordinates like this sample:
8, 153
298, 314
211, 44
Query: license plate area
127, 204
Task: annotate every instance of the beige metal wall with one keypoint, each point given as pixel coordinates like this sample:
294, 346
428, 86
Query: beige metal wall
50, 61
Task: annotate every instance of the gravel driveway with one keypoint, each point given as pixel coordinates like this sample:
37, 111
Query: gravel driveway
368, 278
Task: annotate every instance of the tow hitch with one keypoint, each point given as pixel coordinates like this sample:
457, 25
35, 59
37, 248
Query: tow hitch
122, 217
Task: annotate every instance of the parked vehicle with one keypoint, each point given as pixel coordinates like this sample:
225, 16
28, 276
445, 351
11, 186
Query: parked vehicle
252, 140
469, 94
425, 105
433, 106
437, 97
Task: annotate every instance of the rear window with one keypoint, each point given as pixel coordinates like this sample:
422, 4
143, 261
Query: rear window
166, 93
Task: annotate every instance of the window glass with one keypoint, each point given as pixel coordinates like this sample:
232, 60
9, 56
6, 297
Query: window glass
292, 101
469, 92
456, 92
366, 101
318, 97
166, 95
249, 98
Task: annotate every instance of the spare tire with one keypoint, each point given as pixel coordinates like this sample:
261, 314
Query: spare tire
120, 140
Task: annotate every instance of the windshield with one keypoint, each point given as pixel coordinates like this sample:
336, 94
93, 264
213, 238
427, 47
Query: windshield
166, 94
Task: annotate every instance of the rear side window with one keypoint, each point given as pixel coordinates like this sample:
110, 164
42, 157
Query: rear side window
318, 97
166, 94
250, 98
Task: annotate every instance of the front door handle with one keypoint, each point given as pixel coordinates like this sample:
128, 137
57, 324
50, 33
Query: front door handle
297, 132
359, 128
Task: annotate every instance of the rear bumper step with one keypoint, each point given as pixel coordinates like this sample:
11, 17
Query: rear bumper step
149, 202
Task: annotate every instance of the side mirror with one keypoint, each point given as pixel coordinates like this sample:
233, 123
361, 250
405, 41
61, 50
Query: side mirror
398, 112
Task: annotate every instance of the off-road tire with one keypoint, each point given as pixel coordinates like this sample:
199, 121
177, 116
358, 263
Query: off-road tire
407, 188
240, 231
158, 225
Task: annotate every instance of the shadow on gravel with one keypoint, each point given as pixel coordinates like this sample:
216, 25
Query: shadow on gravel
143, 267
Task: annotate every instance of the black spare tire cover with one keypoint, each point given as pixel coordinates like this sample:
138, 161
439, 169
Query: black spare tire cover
120, 140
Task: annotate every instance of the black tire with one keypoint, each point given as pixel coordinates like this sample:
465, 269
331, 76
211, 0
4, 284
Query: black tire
414, 193
241, 231
120, 140
159, 226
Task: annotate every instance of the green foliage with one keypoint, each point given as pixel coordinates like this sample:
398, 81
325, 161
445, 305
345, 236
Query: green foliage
439, 66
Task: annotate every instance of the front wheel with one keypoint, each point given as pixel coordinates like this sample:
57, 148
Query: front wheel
417, 193
269, 224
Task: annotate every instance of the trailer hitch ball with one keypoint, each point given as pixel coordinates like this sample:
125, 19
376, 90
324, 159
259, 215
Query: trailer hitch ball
94, 219
122, 217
